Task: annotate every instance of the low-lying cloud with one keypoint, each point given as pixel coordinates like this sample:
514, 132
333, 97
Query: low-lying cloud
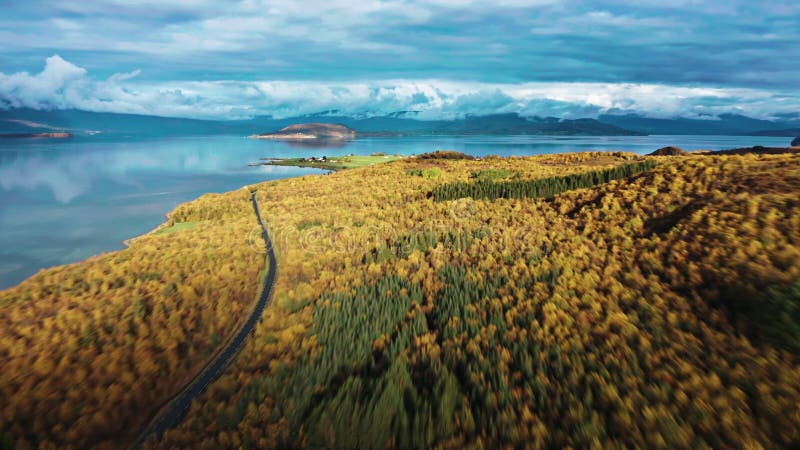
64, 85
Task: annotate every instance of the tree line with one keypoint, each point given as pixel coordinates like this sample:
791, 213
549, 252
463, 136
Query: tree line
543, 187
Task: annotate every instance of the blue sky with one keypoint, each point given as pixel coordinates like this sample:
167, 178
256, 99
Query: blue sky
443, 58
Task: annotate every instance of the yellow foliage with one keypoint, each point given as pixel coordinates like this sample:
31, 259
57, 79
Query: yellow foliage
603, 325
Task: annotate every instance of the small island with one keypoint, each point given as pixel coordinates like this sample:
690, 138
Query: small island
310, 131
51, 135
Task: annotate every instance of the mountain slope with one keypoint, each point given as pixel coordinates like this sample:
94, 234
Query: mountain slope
790, 132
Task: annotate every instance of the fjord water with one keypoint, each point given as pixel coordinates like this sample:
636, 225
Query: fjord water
64, 200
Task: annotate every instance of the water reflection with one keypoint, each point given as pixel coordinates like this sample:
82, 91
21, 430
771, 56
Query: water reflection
62, 203
318, 143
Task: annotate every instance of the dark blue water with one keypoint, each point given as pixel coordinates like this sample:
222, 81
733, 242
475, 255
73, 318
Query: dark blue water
64, 200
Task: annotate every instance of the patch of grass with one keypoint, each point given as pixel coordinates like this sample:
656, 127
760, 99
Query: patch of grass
180, 226
337, 162
433, 172
491, 174
350, 162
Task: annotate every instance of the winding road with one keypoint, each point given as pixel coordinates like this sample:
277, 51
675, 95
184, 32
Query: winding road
174, 410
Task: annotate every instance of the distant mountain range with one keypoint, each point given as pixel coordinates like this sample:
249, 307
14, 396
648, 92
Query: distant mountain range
726, 124
491, 124
77, 122
82, 123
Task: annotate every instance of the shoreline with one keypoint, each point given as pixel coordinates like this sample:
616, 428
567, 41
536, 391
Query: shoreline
120, 245
288, 162
323, 166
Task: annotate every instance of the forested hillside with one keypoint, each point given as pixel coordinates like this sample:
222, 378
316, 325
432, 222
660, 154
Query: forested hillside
90, 350
646, 302
656, 311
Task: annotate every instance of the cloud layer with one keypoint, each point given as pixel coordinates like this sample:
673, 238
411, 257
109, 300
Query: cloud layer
570, 58
724, 43
62, 84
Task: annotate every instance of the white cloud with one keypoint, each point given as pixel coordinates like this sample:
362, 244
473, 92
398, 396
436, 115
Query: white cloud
62, 84
52, 87
148, 27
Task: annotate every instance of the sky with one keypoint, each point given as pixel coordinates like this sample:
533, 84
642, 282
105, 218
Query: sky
435, 58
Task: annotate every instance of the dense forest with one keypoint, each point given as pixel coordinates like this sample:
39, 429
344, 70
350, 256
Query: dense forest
649, 302
88, 351
485, 186
656, 311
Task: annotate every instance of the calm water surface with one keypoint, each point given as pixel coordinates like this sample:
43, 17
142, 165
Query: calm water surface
62, 201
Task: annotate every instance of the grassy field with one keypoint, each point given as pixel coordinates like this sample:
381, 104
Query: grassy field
335, 162
177, 227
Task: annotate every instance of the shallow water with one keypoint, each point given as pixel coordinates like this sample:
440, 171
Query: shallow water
64, 200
